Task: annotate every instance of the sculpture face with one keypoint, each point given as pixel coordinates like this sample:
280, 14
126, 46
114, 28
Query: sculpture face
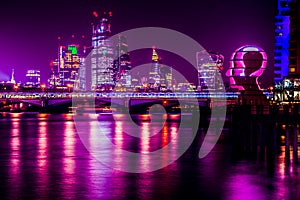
246, 65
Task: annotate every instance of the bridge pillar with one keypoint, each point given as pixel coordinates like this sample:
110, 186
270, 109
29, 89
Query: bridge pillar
16, 106
44, 102
126, 103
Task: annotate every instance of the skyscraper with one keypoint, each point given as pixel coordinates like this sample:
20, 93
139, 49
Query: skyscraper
209, 67
282, 37
12, 80
65, 68
53, 81
69, 66
33, 79
102, 54
122, 64
166, 76
154, 74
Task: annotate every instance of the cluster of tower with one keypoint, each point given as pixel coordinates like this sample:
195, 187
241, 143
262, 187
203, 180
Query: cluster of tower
160, 76
97, 67
106, 65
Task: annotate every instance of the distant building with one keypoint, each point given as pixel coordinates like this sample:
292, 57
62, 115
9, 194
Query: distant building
69, 64
282, 37
12, 80
166, 76
122, 64
209, 67
154, 74
54, 80
65, 69
33, 79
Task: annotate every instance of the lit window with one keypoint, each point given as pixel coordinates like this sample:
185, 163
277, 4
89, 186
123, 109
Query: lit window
292, 69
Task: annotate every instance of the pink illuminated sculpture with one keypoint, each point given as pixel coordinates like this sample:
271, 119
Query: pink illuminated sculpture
246, 65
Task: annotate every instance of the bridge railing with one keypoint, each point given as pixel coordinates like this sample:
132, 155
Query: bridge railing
35, 95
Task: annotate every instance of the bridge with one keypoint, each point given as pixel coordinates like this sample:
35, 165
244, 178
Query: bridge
59, 95
55, 99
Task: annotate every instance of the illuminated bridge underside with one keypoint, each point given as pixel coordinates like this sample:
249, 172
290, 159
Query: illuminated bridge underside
59, 95
122, 99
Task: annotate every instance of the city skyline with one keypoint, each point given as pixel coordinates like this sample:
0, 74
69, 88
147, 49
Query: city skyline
32, 33
150, 99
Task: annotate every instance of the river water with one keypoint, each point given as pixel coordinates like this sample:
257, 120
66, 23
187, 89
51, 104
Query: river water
42, 156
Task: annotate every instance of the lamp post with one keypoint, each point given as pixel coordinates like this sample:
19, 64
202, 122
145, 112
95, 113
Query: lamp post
16, 87
69, 86
43, 86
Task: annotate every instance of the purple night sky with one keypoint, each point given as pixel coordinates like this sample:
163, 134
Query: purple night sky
29, 29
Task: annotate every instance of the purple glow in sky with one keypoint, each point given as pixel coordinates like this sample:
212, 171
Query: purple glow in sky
29, 29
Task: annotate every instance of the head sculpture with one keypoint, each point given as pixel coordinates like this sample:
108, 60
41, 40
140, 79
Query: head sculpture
247, 64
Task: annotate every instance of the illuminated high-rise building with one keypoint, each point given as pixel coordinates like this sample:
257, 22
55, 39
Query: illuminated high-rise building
165, 73
69, 64
209, 67
154, 74
12, 80
54, 81
65, 68
33, 79
282, 37
294, 42
122, 64
102, 54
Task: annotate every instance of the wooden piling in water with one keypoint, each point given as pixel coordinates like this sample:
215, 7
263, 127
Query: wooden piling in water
287, 144
295, 144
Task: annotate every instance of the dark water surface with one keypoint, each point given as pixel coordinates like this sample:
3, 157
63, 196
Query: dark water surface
42, 157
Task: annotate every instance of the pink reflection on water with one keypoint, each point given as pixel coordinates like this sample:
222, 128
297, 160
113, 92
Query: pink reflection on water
15, 148
287, 173
283, 169
42, 158
165, 138
164, 142
118, 142
174, 139
244, 186
99, 174
42, 116
145, 139
15, 162
144, 161
69, 179
69, 148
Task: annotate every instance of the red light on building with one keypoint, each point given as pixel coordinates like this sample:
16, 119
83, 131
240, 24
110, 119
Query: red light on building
95, 14
110, 13
165, 103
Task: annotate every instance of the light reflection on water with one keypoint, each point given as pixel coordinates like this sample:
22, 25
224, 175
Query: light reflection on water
42, 159
45, 158
15, 157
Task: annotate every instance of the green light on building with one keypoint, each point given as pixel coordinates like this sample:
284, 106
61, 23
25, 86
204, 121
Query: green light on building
73, 49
